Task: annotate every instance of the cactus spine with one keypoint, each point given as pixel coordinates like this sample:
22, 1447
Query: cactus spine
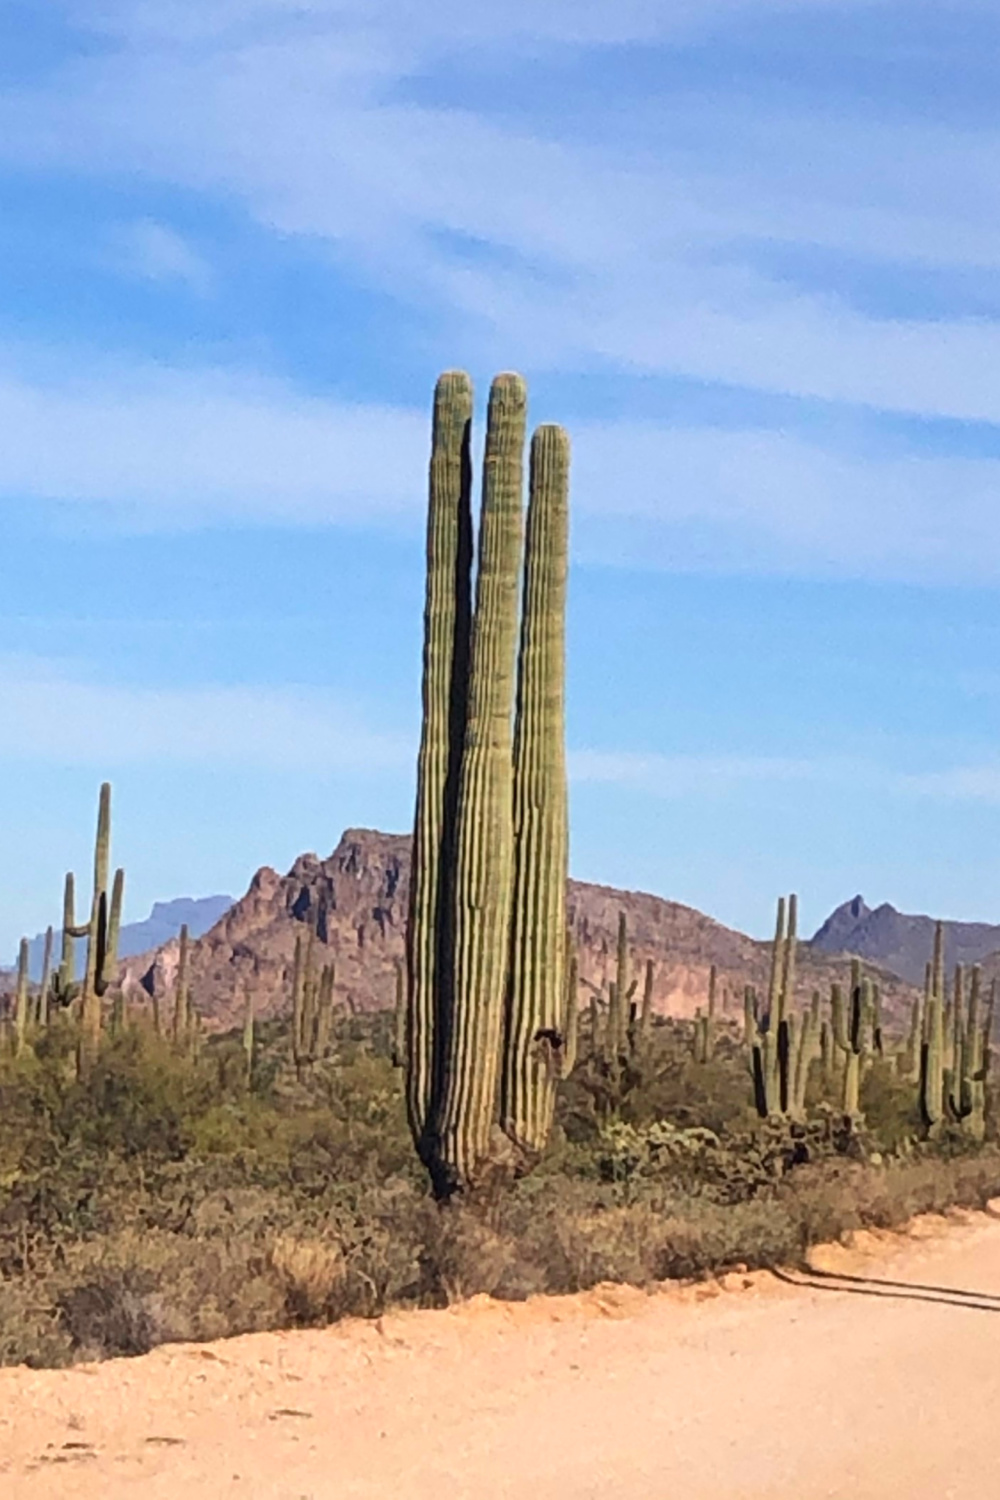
486, 1001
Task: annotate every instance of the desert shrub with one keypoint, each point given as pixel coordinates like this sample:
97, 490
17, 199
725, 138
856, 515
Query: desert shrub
168, 1202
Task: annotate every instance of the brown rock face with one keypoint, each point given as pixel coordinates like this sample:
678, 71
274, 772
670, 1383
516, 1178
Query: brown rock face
356, 901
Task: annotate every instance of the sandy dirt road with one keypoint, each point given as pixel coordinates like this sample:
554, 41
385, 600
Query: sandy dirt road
760, 1390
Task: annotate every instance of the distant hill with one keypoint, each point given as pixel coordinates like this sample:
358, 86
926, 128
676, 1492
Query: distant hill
163, 924
901, 942
356, 901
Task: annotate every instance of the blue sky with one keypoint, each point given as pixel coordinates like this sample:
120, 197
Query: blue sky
747, 251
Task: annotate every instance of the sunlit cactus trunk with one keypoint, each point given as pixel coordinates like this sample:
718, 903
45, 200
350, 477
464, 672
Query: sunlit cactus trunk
534, 1029
465, 1122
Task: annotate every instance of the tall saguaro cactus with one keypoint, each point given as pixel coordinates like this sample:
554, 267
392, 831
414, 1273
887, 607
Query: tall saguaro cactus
486, 932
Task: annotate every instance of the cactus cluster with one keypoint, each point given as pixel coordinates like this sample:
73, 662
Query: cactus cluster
485, 1019
60, 988
782, 1042
954, 1047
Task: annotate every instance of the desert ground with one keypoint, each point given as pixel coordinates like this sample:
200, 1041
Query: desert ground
876, 1377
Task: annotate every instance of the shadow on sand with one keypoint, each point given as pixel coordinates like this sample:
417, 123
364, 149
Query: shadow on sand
873, 1286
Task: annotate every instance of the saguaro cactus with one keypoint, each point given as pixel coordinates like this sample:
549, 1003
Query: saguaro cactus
102, 937
853, 1025
772, 1039
22, 1014
932, 1044
485, 1012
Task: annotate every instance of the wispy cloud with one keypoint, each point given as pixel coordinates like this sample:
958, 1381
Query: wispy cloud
155, 252
147, 447
975, 783
677, 776
685, 775
636, 252
56, 716
158, 447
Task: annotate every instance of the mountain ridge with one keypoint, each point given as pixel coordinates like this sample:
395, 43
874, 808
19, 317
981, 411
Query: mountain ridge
164, 923
903, 941
356, 901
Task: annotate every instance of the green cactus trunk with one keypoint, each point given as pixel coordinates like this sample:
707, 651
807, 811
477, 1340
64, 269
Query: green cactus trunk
248, 1038
22, 1014
399, 1019
535, 1010
646, 1015
466, 1145
45, 987
571, 1018
90, 1001
182, 998
447, 624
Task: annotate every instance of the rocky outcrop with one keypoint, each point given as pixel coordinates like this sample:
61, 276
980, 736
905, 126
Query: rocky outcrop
356, 902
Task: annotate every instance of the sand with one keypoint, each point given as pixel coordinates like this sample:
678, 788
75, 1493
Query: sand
754, 1388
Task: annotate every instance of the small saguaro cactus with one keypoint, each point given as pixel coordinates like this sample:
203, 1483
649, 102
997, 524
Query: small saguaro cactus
312, 1005
853, 1034
44, 996
705, 1023
249, 1039
772, 1038
22, 1014
932, 1043
965, 1079
182, 992
101, 933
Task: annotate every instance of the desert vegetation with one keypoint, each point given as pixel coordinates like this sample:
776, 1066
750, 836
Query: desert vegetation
162, 1180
